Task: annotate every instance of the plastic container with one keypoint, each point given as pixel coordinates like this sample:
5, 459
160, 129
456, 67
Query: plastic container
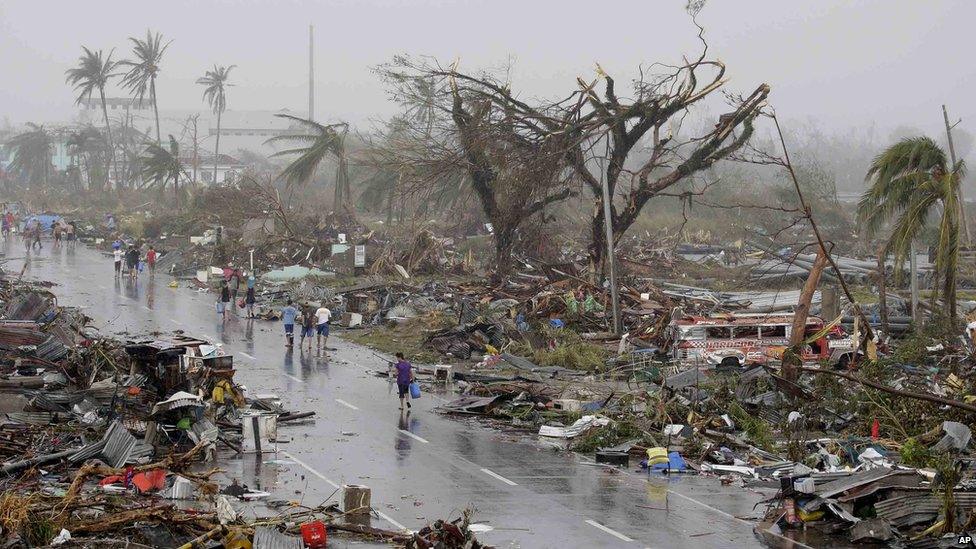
414, 389
314, 534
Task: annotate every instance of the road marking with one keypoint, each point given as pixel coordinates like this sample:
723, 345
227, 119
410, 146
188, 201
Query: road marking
247, 355
719, 511
389, 519
332, 483
346, 404
175, 322
610, 531
491, 473
415, 437
294, 378
310, 470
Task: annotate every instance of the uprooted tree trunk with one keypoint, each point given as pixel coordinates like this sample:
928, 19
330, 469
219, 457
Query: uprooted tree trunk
792, 357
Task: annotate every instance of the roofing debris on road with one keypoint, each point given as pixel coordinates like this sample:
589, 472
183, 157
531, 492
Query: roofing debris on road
113, 443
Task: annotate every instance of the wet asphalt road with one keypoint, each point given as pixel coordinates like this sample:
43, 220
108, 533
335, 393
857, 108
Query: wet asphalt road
420, 467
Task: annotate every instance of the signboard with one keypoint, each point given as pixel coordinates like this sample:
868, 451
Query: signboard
360, 259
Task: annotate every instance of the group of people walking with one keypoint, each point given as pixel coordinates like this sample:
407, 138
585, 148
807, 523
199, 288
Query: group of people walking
314, 323
34, 228
132, 259
230, 288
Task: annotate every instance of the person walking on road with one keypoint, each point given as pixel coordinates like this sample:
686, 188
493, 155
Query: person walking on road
151, 261
249, 300
235, 286
71, 235
38, 229
322, 317
288, 315
132, 261
308, 326
56, 230
28, 235
404, 376
225, 297
117, 254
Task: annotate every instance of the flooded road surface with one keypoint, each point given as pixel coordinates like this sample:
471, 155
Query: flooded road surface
420, 467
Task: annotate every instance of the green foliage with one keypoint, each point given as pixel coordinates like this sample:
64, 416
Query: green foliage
92, 73
758, 431
613, 434
911, 181
32, 155
569, 351
914, 454
161, 165
216, 82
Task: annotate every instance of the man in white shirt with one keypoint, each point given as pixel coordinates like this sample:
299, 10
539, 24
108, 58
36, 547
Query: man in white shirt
322, 317
117, 252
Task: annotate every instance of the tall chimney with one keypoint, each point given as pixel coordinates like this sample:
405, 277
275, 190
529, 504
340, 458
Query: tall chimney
311, 75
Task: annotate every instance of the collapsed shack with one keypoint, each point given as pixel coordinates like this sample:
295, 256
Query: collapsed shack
109, 443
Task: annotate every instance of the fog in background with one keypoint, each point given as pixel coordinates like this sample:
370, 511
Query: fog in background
878, 68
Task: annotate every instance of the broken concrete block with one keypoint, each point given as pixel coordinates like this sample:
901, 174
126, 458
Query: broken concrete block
877, 529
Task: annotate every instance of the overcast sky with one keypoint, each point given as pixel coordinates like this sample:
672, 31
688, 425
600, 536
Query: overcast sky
842, 64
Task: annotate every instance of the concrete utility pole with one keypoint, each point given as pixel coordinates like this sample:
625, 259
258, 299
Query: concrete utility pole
952, 157
611, 257
913, 268
311, 74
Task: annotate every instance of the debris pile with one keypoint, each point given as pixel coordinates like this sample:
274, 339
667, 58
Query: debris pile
113, 443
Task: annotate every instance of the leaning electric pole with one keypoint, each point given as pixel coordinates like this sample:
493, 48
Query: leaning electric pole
311, 73
952, 157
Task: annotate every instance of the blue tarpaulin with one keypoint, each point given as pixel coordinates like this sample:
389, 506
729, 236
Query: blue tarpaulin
46, 220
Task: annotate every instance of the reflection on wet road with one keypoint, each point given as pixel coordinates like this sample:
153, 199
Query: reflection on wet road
421, 466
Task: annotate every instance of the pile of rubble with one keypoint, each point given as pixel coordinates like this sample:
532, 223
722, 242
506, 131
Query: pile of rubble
110, 443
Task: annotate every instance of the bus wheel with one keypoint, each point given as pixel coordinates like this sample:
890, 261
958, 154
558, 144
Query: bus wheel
844, 362
729, 362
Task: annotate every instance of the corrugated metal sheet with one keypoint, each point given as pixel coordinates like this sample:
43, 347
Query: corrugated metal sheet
921, 507
32, 418
119, 444
115, 448
268, 538
842, 485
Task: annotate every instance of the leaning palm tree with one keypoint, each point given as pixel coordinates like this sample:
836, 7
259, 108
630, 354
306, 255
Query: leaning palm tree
88, 144
140, 78
93, 72
215, 94
32, 154
910, 181
160, 165
321, 141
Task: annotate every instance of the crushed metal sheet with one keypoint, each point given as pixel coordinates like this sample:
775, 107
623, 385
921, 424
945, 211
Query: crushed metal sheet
268, 538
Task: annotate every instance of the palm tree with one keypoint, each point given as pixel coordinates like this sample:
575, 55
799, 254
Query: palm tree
141, 76
32, 154
92, 74
321, 141
215, 94
911, 180
161, 165
89, 145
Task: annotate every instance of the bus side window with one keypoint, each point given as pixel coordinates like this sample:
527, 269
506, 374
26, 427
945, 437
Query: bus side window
774, 331
718, 332
746, 332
